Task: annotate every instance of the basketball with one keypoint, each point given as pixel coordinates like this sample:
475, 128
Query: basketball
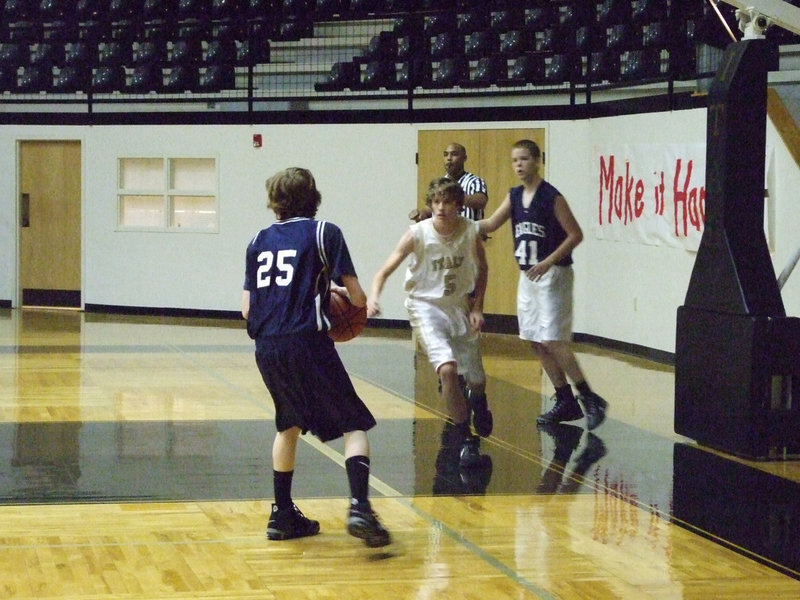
347, 320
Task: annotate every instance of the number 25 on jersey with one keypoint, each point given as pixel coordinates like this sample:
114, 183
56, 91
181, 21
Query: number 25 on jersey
283, 266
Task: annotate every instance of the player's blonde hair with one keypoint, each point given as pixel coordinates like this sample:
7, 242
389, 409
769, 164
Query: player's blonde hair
444, 186
293, 193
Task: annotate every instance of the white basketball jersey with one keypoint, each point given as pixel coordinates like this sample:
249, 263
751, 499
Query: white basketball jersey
442, 269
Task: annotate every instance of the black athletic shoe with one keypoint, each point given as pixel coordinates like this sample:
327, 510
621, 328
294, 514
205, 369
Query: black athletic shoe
482, 419
595, 450
564, 410
363, 523
475, 480
470, 452
595, 408
290, 523
565, 437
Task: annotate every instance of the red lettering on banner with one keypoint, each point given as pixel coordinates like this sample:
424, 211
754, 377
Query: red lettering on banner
638, 202
618, 195
659, 194
625, 193
606, 183
689, 204
697, 206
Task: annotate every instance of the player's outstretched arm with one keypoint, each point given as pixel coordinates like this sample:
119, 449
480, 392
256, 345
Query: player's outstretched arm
404, 247
477, 201
498, 217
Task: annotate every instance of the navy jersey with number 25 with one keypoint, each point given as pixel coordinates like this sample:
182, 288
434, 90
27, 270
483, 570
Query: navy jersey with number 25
288, 271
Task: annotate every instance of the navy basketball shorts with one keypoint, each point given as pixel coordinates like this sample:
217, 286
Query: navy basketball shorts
310, 386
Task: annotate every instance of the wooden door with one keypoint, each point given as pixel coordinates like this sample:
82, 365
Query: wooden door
50, 223
488, 156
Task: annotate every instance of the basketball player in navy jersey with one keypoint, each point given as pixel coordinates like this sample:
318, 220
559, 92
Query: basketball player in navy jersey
545, 233
290, 267
475, 195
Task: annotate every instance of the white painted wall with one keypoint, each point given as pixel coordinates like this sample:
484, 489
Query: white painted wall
367, 176
784, 191
626, 291
361, 181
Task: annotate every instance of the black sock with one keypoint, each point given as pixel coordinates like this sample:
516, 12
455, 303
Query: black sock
358, 476
583, 388
565, 393
282, 482
464, 430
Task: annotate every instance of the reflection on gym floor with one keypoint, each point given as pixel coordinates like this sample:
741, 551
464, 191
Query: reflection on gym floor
104, 410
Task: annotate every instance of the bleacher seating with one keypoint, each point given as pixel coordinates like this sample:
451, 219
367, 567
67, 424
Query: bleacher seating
46, 53
488, 71
35, 78
347, 46
70, 79
108, 78
216, 77
603, 66
481, 44
146, 78
609, 42
185, 52
181, 79
526, 69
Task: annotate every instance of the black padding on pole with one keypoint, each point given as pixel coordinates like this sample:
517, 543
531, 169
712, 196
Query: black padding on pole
733, 272
737, 354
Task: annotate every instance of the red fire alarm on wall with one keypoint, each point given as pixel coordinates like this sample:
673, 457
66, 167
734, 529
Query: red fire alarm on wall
256, 140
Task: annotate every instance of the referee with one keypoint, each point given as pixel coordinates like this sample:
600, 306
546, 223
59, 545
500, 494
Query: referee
475, 195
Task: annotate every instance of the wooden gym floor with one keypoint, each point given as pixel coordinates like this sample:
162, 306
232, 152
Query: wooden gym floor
134, 463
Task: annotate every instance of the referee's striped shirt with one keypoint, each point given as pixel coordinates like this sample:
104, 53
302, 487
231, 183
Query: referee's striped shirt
472, 184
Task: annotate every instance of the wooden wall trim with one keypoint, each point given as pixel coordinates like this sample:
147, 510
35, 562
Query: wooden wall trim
784, 122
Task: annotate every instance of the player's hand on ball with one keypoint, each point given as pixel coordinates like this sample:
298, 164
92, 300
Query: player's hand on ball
373, 308
339, 289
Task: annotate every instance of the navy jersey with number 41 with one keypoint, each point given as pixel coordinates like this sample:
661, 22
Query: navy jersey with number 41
288, 271
536, 230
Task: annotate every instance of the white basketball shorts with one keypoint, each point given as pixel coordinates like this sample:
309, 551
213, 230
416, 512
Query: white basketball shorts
544, 307
446, 336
